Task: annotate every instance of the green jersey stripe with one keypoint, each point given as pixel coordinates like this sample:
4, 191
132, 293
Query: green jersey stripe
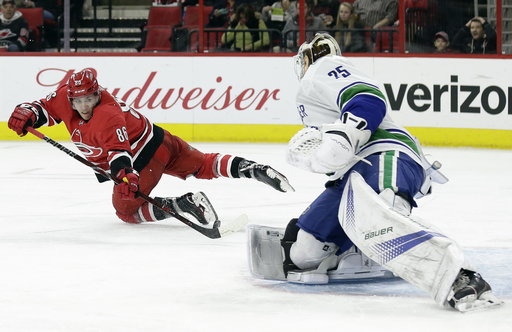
389, 180
382, 134
351, 92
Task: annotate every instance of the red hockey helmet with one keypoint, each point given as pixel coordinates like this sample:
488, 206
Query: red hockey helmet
82, 84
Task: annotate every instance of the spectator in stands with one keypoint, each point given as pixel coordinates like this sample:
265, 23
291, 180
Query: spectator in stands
222, 11
47, 15
477, 37
376, 13
244, 19
50, 11
349, 41
327, 10
276, 16
441, 42
290, 32
15, 32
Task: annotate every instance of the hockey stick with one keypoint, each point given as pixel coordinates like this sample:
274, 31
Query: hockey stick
212, 233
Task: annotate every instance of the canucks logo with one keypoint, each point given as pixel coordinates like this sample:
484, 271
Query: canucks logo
302, 111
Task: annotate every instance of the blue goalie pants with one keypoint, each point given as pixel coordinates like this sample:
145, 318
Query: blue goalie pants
390, 169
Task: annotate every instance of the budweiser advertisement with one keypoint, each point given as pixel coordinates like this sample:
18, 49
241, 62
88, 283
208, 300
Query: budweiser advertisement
421, 92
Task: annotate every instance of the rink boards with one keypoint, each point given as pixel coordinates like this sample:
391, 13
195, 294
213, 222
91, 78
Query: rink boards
252, 99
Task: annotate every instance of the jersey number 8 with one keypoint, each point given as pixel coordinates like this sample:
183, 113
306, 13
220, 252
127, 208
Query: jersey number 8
122, 134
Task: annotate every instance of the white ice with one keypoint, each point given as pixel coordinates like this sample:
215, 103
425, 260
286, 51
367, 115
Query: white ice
67, 263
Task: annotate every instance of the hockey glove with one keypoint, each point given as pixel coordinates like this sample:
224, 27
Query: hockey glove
21, 118
130, 184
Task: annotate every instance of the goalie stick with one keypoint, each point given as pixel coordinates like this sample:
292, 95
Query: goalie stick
213, 233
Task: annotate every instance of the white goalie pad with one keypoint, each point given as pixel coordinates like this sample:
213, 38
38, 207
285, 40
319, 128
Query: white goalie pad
353, 264
423, 257
265, 256
350, 265
264, 252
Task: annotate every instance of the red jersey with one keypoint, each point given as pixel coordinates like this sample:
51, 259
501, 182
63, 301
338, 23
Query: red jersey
114, 131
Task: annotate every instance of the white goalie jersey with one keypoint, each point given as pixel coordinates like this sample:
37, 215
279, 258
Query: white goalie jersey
333, 86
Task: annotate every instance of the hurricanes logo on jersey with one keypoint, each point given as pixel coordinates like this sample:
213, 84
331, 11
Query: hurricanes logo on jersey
88, 151
6, 34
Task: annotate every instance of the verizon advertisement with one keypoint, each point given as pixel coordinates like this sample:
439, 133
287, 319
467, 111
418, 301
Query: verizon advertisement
421, 92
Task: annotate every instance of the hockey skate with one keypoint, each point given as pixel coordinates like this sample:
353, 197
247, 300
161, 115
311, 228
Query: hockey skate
194, 207
267, 175
472, 292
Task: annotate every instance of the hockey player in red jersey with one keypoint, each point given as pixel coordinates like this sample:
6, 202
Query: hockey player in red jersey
125, 143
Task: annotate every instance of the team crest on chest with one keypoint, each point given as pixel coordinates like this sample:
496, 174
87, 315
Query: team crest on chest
87, 150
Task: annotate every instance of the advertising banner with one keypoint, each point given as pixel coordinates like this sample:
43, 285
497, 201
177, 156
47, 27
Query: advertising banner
258, 93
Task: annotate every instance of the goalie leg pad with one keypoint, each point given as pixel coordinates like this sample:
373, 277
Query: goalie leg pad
308, 252
353, 264
425, 258
264, 251
267, 247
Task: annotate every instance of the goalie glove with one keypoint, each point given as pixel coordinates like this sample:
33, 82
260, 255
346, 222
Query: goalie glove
23, 116
302, 147
330, 149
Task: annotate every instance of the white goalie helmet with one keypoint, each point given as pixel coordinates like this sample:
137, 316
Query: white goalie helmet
321, 45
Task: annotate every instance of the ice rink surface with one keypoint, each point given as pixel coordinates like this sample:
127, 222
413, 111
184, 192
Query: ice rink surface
69, 264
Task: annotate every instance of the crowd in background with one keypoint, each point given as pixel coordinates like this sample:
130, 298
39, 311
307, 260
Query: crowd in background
15, 33
432, 26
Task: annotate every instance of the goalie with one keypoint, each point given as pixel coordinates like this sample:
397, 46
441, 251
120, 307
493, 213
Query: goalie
360, 226
124, 143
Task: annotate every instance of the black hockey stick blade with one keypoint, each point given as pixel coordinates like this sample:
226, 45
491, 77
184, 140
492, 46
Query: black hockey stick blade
213, 233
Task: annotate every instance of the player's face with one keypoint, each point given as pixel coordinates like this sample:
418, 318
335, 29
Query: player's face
344, 13
85, 106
